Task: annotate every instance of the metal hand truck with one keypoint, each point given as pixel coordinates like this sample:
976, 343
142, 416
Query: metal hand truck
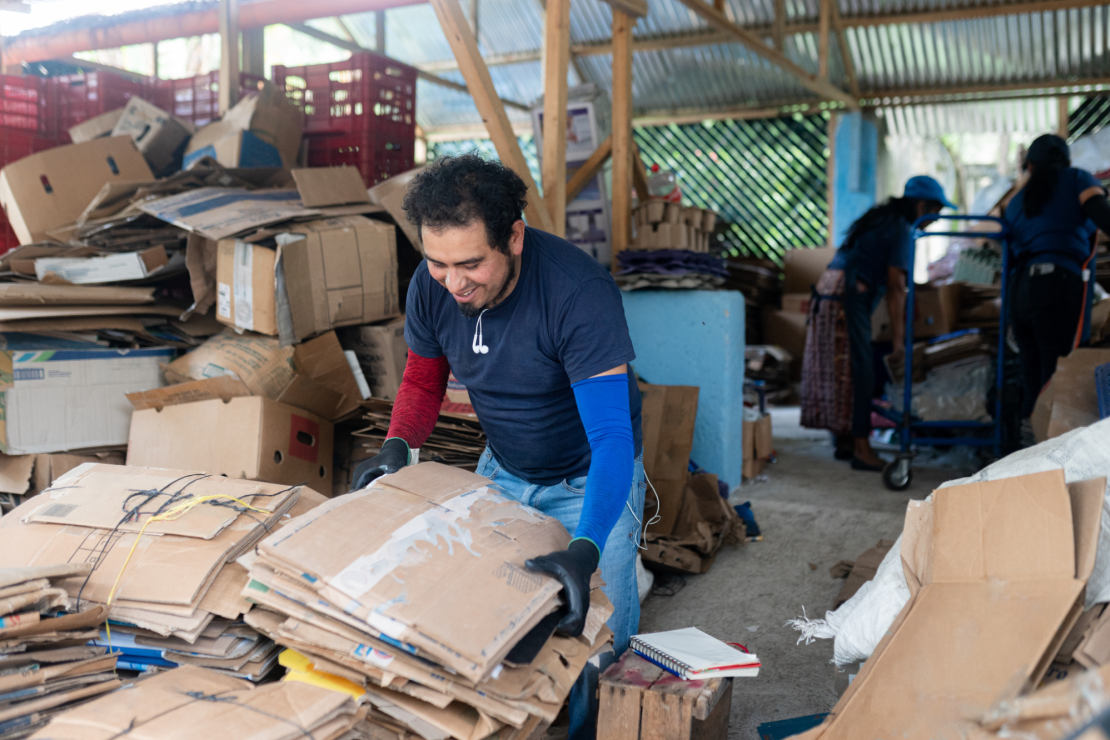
898, 474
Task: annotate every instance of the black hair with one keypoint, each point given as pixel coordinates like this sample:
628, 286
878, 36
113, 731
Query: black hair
456, 191
885, 214
1049, 157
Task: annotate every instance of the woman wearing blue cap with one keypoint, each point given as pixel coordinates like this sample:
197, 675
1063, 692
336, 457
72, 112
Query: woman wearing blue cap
1053, 220
838, 379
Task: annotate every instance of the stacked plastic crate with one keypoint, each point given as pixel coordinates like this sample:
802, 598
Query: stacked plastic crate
358, 113
196, 99
24, 130
73, 99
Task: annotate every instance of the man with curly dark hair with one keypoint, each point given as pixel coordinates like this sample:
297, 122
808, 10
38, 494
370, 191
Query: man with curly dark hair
535, 330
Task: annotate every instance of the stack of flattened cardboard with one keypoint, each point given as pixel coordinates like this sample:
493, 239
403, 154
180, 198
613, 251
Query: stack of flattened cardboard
705, 523
456, 439
45, 665
420, 597
663, 225
165, 577
194, 702
994, 594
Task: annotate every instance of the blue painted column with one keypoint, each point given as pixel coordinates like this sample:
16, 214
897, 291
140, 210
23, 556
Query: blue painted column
696, 337
855, 171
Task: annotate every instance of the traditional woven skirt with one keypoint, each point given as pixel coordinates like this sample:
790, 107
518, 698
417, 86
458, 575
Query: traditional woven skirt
826, 365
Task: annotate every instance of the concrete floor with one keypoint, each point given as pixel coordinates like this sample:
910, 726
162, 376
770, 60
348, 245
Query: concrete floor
813, 511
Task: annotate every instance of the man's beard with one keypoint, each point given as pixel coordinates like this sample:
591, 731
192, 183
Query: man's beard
469, 310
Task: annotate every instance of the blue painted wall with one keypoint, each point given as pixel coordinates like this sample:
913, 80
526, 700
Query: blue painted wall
696, 337
855, 172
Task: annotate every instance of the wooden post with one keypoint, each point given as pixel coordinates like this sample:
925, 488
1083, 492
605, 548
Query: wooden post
229, 54
254, 51
588, 171
556, 58
823, 39
1063, 120
379, 32
778, 25
476, 74
622, 132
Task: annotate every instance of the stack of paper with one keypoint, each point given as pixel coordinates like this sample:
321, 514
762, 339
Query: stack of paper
178, 598
45, 667
415, 591
196, 703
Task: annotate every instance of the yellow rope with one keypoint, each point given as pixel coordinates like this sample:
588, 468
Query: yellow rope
174, 512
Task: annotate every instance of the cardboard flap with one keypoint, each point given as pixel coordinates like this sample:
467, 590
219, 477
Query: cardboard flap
1087, 499
433, 482
322, 360
330, 186
390, 194
1011, 529
917, 545
15, 473
224, 387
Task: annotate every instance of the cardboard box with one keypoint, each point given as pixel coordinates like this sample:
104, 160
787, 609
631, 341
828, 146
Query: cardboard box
937, 313
29, 475
109, 268
390, 194
382, 354
994, 594
268, 115
314, 376
247, 437
788, 330
1073, 395
236, 149
70, 399
49, 190
338, 272
803, 267
246, 294
96, 127
667, 419
797, 302
335, 272
758, 446
156, 133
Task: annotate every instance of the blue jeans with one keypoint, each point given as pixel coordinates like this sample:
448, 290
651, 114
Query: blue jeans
563, 501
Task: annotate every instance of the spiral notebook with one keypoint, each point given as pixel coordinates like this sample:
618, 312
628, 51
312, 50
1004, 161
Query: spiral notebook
690, 653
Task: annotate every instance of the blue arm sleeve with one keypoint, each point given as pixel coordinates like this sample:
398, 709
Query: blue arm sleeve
603, 406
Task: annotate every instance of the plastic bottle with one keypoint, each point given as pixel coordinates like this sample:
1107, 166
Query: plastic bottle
664, 184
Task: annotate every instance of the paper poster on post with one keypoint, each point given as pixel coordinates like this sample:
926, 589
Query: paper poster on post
588, 214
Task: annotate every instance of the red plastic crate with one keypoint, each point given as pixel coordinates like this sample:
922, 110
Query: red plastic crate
73, 99
23, 103
196, 99
360, 112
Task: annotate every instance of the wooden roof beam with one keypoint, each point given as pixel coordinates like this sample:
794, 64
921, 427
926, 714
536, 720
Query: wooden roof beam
755, 44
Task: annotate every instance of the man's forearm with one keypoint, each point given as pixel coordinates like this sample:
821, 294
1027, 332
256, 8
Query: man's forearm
604, 407
419, 399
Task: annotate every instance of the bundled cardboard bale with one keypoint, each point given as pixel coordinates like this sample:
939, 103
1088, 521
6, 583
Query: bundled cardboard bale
469, 648
45, 667
994, 594
663, 225
705, 522
194, 702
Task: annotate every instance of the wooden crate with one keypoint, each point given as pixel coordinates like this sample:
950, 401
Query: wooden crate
641, 701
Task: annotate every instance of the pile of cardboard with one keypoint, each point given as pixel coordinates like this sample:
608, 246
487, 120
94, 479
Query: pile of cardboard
663, 225
1070, 400
194, 702
45, 665
421, 598
994, 594
158, 549
456, 440
758, 441
705, 522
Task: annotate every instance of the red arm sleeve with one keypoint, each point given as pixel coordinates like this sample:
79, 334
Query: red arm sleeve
417, 406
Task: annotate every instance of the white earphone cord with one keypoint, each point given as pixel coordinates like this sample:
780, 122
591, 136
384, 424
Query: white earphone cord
644, 525
478, 344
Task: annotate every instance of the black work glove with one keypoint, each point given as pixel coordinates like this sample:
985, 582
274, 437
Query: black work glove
573, 567
393, 456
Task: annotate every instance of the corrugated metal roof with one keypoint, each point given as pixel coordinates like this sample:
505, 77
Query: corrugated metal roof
1035, 115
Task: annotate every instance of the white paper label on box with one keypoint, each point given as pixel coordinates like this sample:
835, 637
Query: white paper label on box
431, 526
244, 291
223, 300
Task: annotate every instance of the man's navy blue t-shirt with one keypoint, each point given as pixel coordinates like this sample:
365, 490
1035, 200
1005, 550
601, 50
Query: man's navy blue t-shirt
563, 322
